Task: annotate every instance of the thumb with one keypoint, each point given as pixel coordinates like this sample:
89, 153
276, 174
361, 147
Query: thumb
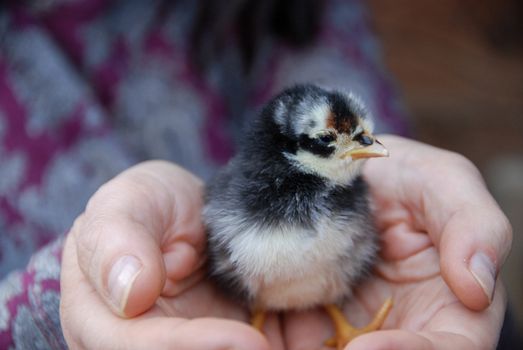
122, 261
473, 246
470, 230
127, 226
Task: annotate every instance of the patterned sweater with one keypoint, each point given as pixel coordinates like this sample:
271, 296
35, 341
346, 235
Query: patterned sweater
90, 87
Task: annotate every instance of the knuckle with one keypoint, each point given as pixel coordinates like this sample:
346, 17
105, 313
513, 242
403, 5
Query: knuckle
460, 161
99, 198
506, 226
87, 242
507, 232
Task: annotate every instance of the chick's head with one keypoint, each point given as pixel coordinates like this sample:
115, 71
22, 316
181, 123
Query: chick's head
324, 132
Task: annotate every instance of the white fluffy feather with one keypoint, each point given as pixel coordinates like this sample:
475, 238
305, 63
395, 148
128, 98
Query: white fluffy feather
289, 268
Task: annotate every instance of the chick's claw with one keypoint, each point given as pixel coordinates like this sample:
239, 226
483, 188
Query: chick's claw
345, 332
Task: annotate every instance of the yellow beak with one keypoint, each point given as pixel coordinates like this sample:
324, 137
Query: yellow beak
371, 151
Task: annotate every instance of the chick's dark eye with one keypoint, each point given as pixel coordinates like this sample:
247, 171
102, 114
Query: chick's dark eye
328, 138
363, 139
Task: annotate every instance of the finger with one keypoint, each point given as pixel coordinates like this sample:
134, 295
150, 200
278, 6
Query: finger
306, 329
420, 266
400, 242
473, 247
272, 331
172, 333
90, 325
474, 235
129, 224
405, 340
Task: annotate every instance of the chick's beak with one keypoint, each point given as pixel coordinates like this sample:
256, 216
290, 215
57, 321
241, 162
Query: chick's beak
372, 150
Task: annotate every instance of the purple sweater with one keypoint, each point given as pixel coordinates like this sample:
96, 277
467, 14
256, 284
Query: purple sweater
90, 87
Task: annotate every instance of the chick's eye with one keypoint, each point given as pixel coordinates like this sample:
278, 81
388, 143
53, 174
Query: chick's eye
363, 139
328, 138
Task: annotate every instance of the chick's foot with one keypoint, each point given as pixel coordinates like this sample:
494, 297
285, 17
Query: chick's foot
258, 319
345, 332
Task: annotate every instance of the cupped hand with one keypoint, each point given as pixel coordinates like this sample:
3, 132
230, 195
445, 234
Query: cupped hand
131, 275
132, 270
444, 241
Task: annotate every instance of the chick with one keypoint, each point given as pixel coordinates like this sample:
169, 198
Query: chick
288, 219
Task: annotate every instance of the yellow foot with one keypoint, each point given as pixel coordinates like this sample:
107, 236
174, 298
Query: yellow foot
345, 332
258, 319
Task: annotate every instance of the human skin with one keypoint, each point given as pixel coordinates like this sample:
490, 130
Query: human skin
444, 241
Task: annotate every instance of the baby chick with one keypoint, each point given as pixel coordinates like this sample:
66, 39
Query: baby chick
288, 219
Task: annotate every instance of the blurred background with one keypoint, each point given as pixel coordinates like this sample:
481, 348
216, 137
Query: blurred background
459, 65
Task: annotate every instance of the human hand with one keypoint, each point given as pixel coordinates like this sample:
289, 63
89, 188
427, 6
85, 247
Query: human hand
132, 270
444, 241
421, 215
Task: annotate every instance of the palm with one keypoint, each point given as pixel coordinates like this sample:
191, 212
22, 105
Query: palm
198, 300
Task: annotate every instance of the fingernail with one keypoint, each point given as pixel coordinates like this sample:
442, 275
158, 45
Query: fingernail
121, 279
484, 271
